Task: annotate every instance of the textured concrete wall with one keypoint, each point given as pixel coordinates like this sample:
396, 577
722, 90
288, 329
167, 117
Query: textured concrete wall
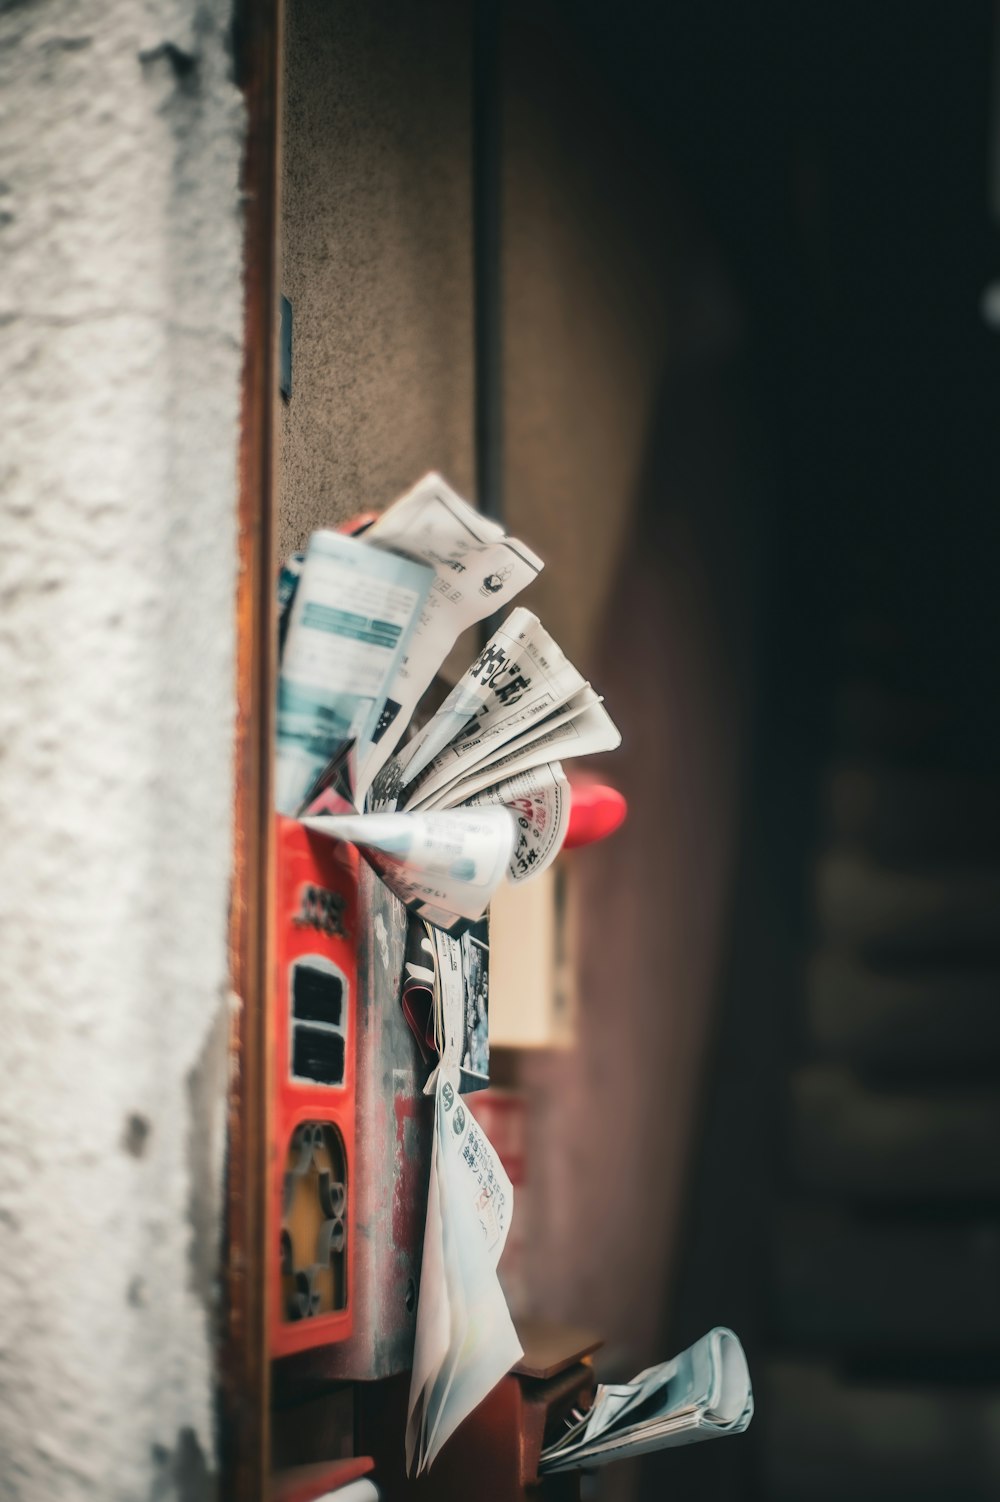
121, 310
376, 247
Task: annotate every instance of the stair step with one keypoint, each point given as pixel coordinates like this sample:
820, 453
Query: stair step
846, 1284
899, 815
878, 911
871, 720
900, 1019
893, 1146
824, 1439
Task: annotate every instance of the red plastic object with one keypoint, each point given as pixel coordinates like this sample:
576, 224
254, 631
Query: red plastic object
595, 812
315, 1045
359, 522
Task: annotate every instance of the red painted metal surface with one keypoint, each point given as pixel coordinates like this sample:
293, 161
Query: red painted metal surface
389, 1153
315, 933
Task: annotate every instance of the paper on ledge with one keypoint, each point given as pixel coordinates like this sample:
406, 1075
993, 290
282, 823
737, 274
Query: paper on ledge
703, 1393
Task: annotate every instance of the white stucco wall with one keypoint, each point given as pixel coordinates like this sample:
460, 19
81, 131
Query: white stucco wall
120, 309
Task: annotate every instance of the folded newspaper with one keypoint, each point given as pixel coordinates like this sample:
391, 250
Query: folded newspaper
499, 739
450, 977
703, 1393
465, 1338
443, 866
478, 570
479, 791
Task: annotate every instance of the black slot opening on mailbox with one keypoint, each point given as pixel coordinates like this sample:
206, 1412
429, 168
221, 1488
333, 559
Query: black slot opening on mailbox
318, 1055
318, 1021
317, 996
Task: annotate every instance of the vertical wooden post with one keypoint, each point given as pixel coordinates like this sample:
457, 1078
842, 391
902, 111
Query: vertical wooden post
487, 230
244, 1416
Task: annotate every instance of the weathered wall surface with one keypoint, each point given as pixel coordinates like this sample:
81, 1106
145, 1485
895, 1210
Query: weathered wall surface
376, 245
121, 311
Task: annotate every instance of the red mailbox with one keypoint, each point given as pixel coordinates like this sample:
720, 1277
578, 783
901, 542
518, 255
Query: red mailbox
313, 1170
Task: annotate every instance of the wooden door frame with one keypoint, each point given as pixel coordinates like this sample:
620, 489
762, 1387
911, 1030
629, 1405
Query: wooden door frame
244, 1367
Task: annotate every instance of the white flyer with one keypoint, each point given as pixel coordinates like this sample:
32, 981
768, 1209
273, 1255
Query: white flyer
478, 569
352, 616
445, 866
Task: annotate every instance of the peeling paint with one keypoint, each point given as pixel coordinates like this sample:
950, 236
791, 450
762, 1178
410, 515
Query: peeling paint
206, 1090
407, 1110
382, 940
181, 1474
136, 1134
182, 63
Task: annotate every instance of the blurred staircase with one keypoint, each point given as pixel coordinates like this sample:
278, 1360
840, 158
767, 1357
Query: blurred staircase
884, 1377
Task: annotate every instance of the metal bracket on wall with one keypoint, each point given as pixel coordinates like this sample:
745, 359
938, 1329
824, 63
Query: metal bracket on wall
285, 348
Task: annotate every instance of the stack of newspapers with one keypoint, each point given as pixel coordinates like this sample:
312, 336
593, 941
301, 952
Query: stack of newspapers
478, 792
701, 1394
443, 805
